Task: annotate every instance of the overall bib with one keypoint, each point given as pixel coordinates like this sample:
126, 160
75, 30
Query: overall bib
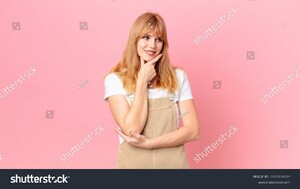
161, 120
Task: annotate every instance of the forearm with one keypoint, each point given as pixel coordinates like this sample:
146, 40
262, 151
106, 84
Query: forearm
137, 115
175, 138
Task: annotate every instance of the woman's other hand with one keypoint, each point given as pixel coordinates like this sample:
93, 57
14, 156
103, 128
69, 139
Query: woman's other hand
136, 139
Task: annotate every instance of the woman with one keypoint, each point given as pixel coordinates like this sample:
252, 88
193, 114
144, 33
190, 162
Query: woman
146, 96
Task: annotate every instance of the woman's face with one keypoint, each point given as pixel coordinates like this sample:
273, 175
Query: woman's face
149, 46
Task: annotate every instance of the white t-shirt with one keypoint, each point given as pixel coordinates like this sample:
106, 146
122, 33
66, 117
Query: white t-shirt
113, 86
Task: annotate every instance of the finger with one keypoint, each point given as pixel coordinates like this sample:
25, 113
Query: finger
155, 59
121, 134
137, 136
130, 133
128, 139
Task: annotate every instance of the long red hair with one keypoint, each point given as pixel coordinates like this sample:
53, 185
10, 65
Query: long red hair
128, 67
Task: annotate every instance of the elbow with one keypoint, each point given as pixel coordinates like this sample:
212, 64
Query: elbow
195, 135
128, 129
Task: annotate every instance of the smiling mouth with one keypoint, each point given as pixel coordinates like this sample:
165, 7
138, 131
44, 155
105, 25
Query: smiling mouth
150, 53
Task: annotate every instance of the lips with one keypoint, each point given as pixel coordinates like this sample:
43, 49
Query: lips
150, 53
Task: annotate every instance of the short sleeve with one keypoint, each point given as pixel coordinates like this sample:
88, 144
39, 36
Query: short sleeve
185, 91
112, 86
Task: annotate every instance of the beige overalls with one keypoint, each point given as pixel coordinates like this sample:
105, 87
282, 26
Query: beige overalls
161, 120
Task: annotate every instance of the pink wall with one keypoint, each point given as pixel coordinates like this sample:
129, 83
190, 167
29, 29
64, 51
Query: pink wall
49, 63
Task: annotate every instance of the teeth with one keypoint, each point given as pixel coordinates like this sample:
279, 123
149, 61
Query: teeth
150, 52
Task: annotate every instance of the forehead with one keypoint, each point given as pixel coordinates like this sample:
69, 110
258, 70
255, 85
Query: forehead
154, 33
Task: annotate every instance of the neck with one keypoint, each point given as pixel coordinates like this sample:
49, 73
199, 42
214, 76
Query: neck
152, 83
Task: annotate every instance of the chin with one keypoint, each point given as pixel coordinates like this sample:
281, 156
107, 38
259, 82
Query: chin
147, 59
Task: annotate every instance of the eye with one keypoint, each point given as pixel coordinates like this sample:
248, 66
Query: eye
160, 40
146, 37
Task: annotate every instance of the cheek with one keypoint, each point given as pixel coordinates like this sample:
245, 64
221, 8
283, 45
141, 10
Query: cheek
159, 47
140, 47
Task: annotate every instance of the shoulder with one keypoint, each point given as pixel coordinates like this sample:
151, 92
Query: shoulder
112, 78
113, 81
111, 75
180, 74
112, 85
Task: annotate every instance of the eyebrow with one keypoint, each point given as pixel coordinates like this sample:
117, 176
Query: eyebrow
153, 36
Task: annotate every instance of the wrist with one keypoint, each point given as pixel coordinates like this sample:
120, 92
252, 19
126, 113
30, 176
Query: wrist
141, 82
142, 77
150, 144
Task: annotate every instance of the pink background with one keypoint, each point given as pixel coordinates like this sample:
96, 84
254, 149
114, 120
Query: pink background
72, 62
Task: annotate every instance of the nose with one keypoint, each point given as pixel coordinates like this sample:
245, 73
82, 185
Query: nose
152, 43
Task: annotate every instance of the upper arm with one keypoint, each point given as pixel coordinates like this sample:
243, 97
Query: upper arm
189, 115
186, 104
115, 96
119, 108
